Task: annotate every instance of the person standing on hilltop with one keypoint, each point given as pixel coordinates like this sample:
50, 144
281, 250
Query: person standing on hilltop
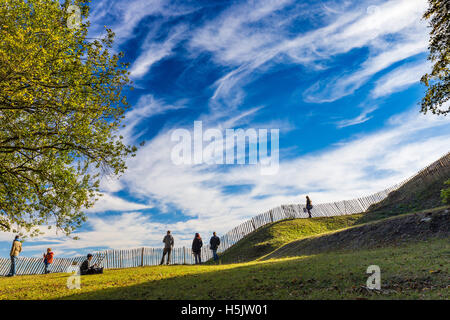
16, 249
197, 245
168, 245
48, 259
309, 206
214, 244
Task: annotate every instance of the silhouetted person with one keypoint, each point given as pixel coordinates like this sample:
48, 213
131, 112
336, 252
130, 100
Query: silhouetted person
16, 249
48, 259
168, 245
309, 206
214, 244
197, 245
86, 267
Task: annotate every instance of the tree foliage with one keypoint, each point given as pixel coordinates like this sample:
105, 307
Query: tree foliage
438, 81
445, 194
61, 107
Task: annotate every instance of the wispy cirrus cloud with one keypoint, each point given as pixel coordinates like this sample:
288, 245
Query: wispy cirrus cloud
361, 118
400, 78
154, 51
246, 49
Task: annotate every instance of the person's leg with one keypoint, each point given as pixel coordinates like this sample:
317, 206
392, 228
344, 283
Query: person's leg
164, 254
14, 265
169, 251
199, 258
45, 267
195, 257
12, 270
215, 255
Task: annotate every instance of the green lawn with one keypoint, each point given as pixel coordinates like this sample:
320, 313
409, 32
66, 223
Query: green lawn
412, 271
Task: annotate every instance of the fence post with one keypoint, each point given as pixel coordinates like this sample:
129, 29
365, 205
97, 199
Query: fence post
184, 255
142, 257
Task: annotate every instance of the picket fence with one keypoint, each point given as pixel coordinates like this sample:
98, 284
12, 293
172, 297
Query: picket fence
115, 259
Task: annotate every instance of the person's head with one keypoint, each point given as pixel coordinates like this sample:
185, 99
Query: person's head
49, 249
307, 197
89, 256
168, 232
197, 235
214, 234
16, 238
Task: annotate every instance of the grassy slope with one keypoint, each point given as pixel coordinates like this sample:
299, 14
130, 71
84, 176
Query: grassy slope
414, 196
413, 271
272, 236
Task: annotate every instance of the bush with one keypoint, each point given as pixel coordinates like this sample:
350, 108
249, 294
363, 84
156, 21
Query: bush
445, 193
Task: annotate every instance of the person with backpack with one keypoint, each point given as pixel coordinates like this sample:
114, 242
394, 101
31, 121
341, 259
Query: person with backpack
48, 259
309, 206
16, 249
197, 245
168, 246
214, 244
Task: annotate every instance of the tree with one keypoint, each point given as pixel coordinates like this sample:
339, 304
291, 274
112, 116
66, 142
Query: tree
438, 81
61, 106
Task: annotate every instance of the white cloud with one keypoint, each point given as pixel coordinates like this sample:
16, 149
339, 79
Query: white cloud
235, 42
400, 78
361, 118
109, 202
153, 52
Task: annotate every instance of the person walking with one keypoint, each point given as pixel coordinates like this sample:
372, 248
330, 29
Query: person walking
168, 246
309, 206
214, 244
48, 259
197, 245
16, 249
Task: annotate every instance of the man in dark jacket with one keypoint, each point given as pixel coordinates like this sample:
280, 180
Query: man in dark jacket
214, 244
309, 206
168, 245
197, 245
86, 267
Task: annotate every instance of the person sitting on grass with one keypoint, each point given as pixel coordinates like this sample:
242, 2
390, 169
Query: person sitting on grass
48, 259
86, 267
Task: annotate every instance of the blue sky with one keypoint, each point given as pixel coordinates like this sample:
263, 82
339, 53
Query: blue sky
339, 79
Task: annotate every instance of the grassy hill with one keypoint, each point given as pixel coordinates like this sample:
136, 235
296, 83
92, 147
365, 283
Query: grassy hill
417, 194
274, 235
318, 258
413, 271
414, 266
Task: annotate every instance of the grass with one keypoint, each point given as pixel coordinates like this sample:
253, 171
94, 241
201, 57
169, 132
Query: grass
275, 235
411, 271
414, 196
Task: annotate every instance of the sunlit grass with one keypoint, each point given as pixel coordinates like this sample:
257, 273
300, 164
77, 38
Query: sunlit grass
412, 271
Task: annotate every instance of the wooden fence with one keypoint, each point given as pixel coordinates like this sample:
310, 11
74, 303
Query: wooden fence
114, 259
